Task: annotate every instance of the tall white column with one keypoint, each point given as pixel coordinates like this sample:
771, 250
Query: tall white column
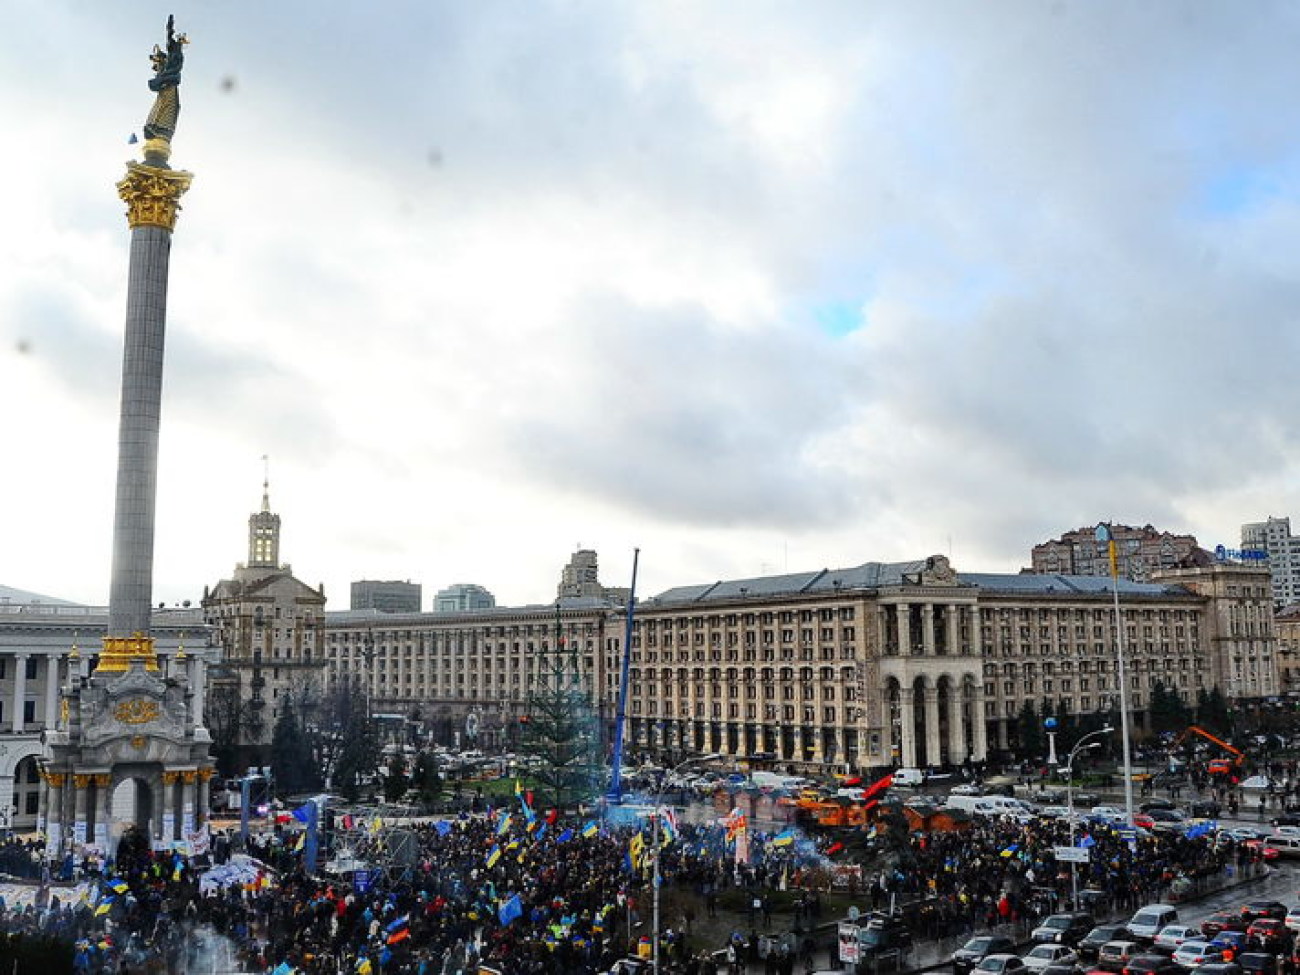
51, 690
20, 690
903, 613
957, 749
931, 725
952, 643
197, 674
907, 731
927, 629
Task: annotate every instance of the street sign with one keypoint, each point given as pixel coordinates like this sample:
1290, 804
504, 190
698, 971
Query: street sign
1071, 854
850, 949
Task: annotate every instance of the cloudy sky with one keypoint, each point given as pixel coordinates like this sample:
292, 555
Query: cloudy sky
749, 285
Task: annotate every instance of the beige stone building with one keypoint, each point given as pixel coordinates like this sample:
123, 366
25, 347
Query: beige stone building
878, 664
1286, 624
270, 629
1142, 552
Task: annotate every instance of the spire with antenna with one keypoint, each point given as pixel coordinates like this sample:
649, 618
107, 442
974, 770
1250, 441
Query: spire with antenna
266, 483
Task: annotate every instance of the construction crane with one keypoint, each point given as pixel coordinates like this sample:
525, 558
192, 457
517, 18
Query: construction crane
1217, 766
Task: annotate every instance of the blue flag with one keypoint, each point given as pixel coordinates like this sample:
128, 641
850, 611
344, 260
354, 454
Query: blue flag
510, 910
565, 836
303, 813
443, 827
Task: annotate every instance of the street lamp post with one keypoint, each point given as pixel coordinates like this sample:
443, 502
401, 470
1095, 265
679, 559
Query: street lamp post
712, 756
1104, 534
1080, 745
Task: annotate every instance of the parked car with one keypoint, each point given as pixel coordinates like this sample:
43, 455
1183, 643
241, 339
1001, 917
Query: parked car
1097, 937
1222, 921
976, 950
1271, 934
1065, 929
1204, 809
1173, 935
1292, 919
1148, 921
1041, 955
1286, 819
1258, 963
1217, 968
1169, 817
1114, 955
966, 789
1253, 910
1000, 965
1152, 965
1197, 952
1108, 814
1232, 940
1157, 804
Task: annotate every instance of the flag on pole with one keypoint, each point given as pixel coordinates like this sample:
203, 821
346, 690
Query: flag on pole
493, 856
591, 829
636, 850
784, 838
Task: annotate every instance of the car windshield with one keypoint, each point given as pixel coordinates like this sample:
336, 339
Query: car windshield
1146, 917
1057, 922
977, 944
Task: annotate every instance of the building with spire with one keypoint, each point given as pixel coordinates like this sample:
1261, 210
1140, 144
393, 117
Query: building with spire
269, 626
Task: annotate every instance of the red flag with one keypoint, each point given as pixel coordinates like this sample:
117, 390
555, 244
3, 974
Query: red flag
551, 816
397, 936
834, 848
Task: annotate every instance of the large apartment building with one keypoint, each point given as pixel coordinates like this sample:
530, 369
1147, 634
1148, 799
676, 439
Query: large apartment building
1273, 538
1141, 552
903, 663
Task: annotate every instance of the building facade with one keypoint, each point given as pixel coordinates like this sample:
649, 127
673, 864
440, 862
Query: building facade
463, 597
46, 647
1274, 537
1141, 553
875, 665
387, 597
270, 629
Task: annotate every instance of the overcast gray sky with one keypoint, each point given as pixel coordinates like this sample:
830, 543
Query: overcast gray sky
752, 286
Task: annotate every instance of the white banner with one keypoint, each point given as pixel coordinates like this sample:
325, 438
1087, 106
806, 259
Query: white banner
850, 948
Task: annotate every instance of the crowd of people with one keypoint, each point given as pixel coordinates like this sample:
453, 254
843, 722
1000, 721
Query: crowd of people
530, 894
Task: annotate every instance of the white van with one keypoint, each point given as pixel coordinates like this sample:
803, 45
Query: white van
981, 805
909, 777
1146, 923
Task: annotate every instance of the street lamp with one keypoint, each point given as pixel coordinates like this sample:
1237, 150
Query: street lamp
712, 756
1081, 745
1104, 534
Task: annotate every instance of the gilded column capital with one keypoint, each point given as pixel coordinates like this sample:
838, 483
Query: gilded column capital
190, 776
207, 773
82, 781
171, 778
103, 781
53, 779
152, 195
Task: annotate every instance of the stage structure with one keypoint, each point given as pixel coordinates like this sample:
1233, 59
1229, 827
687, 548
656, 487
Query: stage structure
131, 732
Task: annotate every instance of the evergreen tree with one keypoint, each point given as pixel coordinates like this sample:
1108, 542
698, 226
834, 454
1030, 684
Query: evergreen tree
396, 781
1212, 712
292, 763
357, 749
1168, 713
425, 779
1030, 731
559, 729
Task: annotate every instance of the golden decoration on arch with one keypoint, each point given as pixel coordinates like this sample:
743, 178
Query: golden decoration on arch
137, 710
